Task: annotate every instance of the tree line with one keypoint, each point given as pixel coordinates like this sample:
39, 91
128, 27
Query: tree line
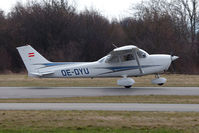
61, 33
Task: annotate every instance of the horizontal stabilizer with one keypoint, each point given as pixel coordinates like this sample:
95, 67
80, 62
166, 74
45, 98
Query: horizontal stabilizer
41, 73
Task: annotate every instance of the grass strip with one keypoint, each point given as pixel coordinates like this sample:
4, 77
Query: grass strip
95, 130
102, 121
20, 80
111, 99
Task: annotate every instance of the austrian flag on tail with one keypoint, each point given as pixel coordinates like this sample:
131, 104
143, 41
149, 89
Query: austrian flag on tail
31, 54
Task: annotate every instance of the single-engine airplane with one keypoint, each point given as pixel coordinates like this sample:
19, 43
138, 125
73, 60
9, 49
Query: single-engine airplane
126, 61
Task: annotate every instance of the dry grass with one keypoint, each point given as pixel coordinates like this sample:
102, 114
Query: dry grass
46, 120
110, 99
23, 80
84, 119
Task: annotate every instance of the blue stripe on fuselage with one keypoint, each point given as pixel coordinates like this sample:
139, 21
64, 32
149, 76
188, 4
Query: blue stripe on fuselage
123, 68
119, 68
56, 64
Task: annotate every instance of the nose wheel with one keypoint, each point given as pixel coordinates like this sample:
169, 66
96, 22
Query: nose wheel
158, 80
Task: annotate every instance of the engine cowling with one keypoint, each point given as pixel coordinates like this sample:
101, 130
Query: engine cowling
126, 82
159, 81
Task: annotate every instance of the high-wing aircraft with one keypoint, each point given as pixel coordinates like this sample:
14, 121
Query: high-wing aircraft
124, 62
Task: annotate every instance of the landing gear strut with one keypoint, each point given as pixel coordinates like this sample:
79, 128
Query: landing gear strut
157, 76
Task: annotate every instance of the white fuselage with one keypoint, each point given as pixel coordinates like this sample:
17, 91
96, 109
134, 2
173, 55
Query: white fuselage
123, 62
150, 65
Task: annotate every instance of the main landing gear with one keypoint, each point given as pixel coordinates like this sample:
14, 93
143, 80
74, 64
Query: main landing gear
159, 80
126, 82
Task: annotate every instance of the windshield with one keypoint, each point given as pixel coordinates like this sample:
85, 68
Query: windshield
102, 59
142, 53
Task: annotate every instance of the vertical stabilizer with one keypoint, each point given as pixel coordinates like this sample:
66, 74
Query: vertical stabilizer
31, 58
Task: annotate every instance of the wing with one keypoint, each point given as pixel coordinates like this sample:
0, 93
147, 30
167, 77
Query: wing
123, 50
130, 49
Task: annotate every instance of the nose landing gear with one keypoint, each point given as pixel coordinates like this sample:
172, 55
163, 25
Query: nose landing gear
159, 80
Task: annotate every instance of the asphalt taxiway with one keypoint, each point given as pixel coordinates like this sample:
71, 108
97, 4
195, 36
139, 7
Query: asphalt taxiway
44, 92
101, 106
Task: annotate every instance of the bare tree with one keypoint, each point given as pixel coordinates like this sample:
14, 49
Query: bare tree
191, 8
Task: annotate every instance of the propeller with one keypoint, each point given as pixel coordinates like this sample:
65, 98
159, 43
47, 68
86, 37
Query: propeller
173, 57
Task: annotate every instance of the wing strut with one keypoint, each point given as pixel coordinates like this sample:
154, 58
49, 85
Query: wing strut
138, 61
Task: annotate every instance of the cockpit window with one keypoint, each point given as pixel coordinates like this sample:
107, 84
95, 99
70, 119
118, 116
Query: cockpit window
127, 57
123, 57
112, 59
141, 54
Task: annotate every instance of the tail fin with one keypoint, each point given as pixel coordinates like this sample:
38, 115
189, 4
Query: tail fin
31, 58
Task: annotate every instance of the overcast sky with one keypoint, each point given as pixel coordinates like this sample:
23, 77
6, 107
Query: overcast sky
109, 8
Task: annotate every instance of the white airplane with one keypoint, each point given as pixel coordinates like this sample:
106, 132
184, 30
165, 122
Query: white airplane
122, 62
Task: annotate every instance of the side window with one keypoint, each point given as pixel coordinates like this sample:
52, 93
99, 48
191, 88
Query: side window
141, 54
127, 57
112, 59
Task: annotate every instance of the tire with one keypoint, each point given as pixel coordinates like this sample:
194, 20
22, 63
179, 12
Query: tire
161, 84
127, 86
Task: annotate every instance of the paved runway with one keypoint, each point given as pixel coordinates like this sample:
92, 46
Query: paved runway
43, 92
101, 106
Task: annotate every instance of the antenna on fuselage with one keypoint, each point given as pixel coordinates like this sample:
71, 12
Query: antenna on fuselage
114, 45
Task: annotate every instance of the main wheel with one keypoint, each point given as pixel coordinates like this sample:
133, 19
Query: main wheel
160, 84
127, 86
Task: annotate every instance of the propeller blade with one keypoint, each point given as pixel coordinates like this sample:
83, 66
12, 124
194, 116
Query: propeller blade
173, 57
